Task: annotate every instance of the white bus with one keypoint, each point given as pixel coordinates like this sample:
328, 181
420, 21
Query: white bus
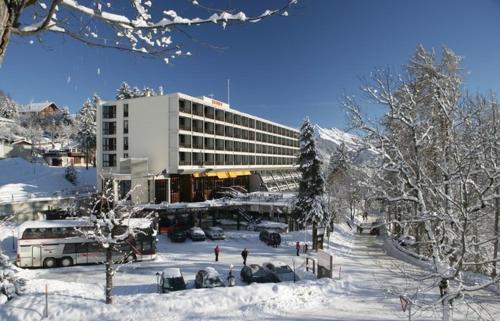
59, 243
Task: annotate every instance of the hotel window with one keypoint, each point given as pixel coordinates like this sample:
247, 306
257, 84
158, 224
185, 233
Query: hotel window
125, 110
109, 160
185, 106
185, 141
184, 123
125, 126
109, 128
125, 143
109, 111
109, 144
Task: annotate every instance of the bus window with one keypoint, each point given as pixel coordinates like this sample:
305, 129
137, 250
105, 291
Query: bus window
69, 248
146, 245
95, 247
81, 248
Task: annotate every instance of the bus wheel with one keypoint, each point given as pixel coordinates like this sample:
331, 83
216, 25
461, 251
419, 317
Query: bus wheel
66, 261
49, 263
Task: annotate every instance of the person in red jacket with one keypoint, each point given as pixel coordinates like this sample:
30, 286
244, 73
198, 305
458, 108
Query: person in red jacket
297, 247
217, 251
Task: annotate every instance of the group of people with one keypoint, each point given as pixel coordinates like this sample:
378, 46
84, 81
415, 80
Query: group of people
244, 253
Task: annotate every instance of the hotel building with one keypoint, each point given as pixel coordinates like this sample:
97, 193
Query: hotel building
179, 148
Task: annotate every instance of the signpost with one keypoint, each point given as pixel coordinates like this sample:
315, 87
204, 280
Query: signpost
405, 304
325, 262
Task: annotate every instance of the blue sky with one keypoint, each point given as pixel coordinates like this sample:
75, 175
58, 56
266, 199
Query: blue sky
281, 69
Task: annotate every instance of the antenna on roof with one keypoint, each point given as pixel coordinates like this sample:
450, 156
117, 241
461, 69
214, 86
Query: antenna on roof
228, 96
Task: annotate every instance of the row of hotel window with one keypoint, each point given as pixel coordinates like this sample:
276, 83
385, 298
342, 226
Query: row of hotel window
109, 128
200, 126
109, 143
188, 107
199, 159
205, 159
109, 112
198, 142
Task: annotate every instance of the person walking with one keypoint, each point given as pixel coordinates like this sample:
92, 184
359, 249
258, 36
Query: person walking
217, 251
297, 247
244, 255
305, 248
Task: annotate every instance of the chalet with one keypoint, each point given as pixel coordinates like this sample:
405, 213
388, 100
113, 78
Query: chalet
43, 108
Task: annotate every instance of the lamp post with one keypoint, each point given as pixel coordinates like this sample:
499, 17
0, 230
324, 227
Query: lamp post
158, 282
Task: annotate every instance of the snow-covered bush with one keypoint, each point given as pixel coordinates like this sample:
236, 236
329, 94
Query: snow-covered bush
71, 174
10, 284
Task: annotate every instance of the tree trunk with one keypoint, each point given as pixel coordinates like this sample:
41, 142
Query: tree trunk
496, 227
86, 154
6, 23
109, 275
315, 237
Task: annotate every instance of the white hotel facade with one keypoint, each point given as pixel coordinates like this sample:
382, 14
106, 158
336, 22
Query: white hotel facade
177, 148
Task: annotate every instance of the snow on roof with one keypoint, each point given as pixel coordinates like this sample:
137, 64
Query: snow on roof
138, 223
51, 224
172, 273
37, 107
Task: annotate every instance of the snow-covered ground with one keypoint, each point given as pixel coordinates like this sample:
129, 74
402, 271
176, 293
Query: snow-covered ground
21, 180
367, 289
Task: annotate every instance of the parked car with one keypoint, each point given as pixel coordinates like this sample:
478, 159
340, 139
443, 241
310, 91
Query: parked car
282, 271
208, 278
196, 234
215, 233
171, 279
270, 237
177, 235
256, 273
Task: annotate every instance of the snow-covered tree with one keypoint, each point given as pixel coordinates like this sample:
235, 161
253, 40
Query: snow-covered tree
124, 92
86, 125
434, 165
8, 108
145, 27
110, 227
10, 283
310, 206
71, 174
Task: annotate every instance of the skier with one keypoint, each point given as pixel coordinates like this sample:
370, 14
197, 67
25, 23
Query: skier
216, 251
365, 216
244, 255
297, 247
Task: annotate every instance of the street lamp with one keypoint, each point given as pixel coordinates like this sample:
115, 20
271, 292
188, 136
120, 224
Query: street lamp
158, 282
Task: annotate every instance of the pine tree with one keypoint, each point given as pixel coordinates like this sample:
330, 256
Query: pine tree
86, 123
124, 92
310, 207
8, 108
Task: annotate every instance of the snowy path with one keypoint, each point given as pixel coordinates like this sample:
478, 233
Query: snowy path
367, 289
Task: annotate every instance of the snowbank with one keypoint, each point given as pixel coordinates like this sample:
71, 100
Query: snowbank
21, 180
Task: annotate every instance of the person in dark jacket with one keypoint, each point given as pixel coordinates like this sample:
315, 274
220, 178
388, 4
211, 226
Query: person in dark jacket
297, 247
217, 251
244, 255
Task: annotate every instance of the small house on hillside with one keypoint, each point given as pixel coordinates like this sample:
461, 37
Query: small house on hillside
44, 108
65, 157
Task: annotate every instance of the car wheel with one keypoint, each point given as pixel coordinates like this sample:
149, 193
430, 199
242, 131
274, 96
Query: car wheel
66, 261
49, 263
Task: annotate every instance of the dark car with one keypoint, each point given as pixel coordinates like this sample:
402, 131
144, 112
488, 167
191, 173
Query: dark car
256, 273
270, 237
172, 280
208, 278
177, 235
282, 271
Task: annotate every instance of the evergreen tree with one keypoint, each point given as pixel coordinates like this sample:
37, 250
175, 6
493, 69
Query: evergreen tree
8, 108
86, 123
124, 92
310, 207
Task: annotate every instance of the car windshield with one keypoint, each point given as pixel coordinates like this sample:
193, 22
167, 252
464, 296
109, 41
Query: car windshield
283, 269
173, 283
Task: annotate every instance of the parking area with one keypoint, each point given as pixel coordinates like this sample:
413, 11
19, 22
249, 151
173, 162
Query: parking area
190, 257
